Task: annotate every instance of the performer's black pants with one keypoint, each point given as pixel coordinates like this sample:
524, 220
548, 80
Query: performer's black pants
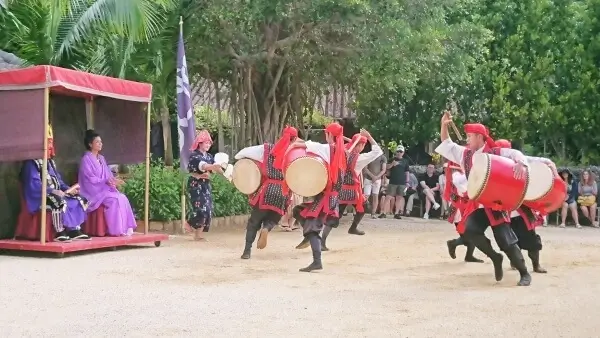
478, 222
263, 218
260, 218
528, 239
311, 229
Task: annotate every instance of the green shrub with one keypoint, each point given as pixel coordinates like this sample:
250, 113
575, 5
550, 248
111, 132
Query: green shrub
165, 194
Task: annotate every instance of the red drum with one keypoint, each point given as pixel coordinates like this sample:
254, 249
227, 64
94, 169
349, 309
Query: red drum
305, 173
546, 192
491, 182
246, 176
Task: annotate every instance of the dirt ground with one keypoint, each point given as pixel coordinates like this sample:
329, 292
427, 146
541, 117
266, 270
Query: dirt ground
397, 281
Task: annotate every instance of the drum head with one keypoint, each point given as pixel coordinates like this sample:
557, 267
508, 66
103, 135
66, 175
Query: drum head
479, 175
541, 180
306, 176
246, 176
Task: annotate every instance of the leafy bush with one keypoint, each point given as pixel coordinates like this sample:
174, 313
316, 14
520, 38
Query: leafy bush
165, 194
228, 201
165, 191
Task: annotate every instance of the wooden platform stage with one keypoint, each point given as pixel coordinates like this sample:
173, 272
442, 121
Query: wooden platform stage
60, 248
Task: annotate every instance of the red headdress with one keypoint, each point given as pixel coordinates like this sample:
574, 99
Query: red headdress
282, 145
202, 136
450, 166
478, 128
502, 143
361, 140
338, 162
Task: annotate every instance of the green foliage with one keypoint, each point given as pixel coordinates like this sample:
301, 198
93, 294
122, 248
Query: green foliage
165, 191
228, 201
316, 119
207, 118
165, 194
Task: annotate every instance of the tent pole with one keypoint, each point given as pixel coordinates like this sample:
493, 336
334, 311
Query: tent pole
147, 184
45, 166
89, 113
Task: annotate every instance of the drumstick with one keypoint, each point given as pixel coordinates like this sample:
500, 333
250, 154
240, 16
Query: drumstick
456, 131
354, 144
347, 139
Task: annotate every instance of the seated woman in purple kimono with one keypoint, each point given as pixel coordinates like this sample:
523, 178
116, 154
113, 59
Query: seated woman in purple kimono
99, 186
64, 203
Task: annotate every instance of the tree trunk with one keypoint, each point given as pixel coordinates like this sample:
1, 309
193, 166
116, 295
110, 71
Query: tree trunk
221, 137
166, 127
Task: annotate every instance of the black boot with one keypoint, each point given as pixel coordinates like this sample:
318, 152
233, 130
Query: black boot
535, 261
304, 244
326, 230
452, 244
250, 237
469, 256
315, 244
484, 245
516, 258
354, 227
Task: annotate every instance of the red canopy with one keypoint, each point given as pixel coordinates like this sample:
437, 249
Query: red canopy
74, 83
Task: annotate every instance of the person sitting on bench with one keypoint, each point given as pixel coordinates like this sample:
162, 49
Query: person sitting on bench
64, 203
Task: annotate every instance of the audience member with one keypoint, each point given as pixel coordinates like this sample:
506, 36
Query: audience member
587, 196
429, 186
570, 200
398, 180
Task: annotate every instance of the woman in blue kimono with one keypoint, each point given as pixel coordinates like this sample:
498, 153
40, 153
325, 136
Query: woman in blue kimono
201, 163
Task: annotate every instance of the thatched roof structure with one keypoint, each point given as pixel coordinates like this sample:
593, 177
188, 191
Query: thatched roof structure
9, 61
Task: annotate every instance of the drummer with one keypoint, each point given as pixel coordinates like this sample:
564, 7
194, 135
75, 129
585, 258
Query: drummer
524, 220
477, 217
324, 207
269, 203
352, 193
455, 193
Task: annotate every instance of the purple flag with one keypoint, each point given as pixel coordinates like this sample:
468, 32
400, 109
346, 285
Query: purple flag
185, 112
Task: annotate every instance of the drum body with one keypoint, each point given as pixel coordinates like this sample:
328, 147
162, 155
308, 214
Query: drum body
246, 176
306, 174
491, 182
546, 192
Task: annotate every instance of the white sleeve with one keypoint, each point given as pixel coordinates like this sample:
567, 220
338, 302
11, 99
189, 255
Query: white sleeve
514, 155
451, 151
366, 158
256, 153
323, 150
201, 165
539, 159
460, 182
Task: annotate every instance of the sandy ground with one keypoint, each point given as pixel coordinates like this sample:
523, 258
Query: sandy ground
397, 281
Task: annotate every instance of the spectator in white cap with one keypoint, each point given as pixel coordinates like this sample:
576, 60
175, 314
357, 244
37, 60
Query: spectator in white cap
396, 189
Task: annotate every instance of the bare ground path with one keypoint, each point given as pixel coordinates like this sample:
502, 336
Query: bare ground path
397, 281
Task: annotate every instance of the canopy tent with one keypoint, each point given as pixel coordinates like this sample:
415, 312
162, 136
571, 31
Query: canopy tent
120, 110
117, 109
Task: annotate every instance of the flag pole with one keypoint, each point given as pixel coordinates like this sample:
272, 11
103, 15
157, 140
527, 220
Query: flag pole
183, 203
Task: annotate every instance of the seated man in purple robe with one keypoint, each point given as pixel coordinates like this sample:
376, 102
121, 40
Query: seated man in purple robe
99, 186
64, 203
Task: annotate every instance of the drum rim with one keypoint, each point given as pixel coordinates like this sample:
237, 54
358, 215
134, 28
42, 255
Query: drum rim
487, 180
233, 180
547, 192
544, 196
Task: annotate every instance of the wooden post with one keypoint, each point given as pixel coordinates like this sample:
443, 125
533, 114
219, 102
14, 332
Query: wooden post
147, 184
45, 166
89, 113
183, 205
